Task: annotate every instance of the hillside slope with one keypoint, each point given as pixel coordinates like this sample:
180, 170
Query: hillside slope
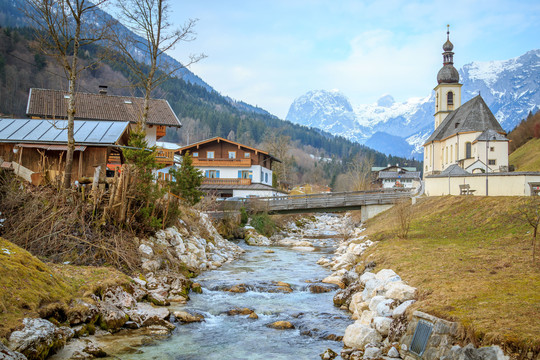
471, 259
527, 156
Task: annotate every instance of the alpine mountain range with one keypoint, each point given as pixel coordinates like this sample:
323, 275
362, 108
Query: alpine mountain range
511, 89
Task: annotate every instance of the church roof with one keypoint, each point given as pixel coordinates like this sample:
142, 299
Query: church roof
454, 170
491, 135
472, 116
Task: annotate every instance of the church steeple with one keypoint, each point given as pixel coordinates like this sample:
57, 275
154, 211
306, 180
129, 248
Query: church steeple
448, 90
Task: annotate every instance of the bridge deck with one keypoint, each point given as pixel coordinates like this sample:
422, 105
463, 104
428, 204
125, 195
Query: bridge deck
318, 202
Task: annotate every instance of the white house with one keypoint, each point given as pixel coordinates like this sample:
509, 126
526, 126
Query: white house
233, 169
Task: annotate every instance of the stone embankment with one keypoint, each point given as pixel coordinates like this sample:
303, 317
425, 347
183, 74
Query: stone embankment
380, 303
139, 305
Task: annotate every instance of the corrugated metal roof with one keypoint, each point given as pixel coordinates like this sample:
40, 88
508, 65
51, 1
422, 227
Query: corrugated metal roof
52, 104
50, 147
86, 132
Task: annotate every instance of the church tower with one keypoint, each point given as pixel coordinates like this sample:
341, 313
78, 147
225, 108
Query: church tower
448, 90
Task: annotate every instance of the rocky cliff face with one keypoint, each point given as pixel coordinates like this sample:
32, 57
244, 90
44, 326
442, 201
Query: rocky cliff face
510, 88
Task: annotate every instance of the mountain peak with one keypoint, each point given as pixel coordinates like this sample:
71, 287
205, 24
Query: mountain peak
386, 101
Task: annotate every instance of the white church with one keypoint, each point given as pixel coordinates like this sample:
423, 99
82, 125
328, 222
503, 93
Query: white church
467, 153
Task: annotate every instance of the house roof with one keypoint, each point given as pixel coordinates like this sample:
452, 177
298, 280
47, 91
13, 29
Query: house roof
219, 139
240, 187
86, 132
396, 167
472, 116
400, 175
52, 104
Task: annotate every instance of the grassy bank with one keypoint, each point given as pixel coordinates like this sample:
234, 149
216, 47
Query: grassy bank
526, 157
471, 259
28, 286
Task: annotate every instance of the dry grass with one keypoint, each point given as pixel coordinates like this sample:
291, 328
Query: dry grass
471, 259
526, 157
28, 286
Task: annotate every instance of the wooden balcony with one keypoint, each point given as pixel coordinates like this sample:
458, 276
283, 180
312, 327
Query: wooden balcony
215, 181
164, 156
161, 131
222, 162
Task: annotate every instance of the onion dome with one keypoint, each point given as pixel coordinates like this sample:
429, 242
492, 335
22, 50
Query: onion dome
448, 75
448, 46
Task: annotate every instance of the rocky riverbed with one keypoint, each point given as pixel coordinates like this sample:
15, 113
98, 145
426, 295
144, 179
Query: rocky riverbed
303, 293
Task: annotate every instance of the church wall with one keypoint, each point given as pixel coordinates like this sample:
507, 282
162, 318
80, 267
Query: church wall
511, 184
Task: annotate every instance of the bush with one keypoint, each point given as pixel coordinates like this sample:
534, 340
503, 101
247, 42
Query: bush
244, 217
264, 224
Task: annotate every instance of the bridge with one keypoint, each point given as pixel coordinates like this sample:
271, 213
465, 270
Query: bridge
370, 203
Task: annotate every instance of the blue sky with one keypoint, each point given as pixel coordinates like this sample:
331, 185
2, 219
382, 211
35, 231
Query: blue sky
268, 53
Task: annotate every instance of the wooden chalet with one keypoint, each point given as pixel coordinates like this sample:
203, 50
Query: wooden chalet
36, 149
52, 104
231, 168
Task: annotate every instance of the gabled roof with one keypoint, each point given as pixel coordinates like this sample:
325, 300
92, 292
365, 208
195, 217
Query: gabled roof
52, 104
220, 139
491, 135
454, 170
399, 175
472, 116
29, 131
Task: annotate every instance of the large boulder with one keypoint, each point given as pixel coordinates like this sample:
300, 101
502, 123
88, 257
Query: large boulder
400, 291
387, 275
382, 324
343, 296
8, 354
39, 338
359, 335
146, 315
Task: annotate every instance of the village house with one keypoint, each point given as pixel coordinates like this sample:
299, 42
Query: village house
467, 153
35, 149
52, 104
396, 177
232, 169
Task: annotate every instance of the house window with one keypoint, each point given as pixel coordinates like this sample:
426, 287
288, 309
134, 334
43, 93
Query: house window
195, 154
491, 148
247, 155
450, 99
491, 162
209, 154
232, 154
245, 174
212, 174
266, 177
451, 153
468, 151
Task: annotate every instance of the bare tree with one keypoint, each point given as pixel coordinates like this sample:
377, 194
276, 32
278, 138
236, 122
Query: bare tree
279, 145
153, 37
64, 27
360, 172
530, 213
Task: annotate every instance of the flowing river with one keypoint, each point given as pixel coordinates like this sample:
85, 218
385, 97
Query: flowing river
220, 336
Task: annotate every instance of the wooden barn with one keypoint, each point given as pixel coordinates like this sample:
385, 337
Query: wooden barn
36, 149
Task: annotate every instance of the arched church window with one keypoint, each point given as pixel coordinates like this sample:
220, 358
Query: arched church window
450, 98
468, 152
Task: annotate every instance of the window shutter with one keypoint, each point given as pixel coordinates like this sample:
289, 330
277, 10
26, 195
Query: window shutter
206, 173
217, 174
251, 174
239, 174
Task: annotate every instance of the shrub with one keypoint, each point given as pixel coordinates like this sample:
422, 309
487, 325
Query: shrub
264, 224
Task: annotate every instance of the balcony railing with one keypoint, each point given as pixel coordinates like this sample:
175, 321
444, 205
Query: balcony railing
222, 162
164, 156
215, 181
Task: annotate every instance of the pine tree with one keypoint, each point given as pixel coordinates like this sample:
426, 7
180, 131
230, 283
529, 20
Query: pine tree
186, 181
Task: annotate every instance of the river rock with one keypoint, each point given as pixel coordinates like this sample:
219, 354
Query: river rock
343, 296
359, 335
400, 291
38, 338
81, 312
112, 318
400, 310
239, 311
317, 289
372, 288
8, 354
367, 317
281, 325
385, 307
393, 353
253, 238
366, 276
335, 279
185, 317
387, 275
382, 324
372, 352
374, 302
146, 315
357, 303
303, 248
329, 354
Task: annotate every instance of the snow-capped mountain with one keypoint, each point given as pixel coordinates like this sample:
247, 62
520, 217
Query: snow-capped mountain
511, 88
